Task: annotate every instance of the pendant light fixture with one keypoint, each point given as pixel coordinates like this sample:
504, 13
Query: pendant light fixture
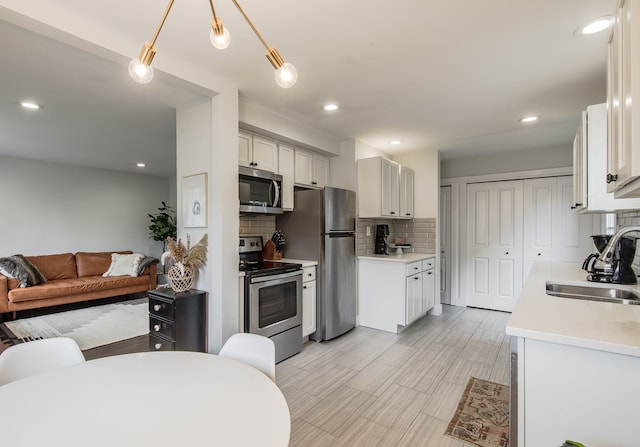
141, 71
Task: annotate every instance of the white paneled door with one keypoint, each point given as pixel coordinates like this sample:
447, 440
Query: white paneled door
552, 231
445, 244
494, 244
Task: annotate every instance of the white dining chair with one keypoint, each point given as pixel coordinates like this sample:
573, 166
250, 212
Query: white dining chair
254, 350
33, 357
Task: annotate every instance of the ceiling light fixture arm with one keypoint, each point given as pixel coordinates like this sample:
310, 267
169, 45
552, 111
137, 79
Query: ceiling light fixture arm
216, 24
272, 54
148, 49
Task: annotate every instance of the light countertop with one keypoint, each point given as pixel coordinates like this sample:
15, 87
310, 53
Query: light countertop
597, 325
405, 257
305, 263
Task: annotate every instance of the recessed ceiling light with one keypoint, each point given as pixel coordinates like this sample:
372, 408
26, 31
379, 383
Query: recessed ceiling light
529, 119
594, 26
395, 142
141, 165
330, 107
30, 105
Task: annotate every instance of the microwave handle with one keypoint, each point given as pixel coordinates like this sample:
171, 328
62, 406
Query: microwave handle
272, 187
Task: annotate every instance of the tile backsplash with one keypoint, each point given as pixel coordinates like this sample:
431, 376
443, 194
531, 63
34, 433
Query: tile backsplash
420, 233
263, 226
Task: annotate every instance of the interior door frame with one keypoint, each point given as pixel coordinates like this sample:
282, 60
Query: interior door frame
459, 253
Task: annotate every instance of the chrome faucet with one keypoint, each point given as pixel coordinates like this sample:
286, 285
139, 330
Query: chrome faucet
607, 255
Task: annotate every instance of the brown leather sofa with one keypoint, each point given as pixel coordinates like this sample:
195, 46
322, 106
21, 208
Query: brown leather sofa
71, 279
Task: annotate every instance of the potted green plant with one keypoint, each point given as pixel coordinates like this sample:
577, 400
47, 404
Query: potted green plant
163, 226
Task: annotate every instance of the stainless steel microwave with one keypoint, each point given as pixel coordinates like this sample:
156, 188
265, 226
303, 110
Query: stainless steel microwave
259, 191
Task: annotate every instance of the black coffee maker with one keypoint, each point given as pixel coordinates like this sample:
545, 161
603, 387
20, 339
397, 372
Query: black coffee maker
382, 233
619, 269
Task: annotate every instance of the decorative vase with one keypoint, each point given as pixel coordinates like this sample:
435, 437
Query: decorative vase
178, 281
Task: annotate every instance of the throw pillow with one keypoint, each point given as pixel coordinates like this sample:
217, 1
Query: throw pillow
145, 262
124, 265
20, 268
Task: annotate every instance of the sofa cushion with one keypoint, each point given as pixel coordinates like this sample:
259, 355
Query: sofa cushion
20, 268
94, 264
124, 265
60, 266
76, 286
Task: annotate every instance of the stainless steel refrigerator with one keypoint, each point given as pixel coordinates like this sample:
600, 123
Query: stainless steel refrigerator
322, 228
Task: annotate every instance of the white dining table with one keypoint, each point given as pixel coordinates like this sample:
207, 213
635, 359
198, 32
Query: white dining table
150, 399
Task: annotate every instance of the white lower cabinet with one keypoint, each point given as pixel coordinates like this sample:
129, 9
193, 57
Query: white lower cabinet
567, 392
308, 300
394, 291
428, 285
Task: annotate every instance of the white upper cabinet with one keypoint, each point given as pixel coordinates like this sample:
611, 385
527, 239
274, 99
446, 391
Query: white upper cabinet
311, 169
286, 168
407, 181
623, 87
383, 190
257, 152
590, 161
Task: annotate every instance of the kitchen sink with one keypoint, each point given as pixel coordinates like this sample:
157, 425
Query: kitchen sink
611, 294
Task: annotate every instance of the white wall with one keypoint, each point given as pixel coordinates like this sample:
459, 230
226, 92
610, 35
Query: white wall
363, 150
545, 158
54, 208
265, 121
343, 169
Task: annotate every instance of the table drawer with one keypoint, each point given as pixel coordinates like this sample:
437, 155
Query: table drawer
414, 268
157, 326
160, 344
309, 273
161, 308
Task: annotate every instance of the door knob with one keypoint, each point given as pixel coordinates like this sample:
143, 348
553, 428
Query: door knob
506, 253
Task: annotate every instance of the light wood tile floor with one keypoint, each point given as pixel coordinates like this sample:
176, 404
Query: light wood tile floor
373, 388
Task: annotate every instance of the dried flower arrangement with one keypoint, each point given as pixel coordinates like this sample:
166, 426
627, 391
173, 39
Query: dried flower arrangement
181, 256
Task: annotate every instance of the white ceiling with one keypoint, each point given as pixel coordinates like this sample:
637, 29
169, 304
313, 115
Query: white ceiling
436, 74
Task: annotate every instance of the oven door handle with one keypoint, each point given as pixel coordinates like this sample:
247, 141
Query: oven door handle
255, 280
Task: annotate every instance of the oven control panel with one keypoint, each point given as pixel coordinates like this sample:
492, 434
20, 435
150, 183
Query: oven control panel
249, 244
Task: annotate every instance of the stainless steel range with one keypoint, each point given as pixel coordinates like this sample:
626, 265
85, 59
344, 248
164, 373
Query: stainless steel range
272, 298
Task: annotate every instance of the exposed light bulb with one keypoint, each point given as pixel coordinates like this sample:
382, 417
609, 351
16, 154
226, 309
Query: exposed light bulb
286, 75
220, 41
139, 72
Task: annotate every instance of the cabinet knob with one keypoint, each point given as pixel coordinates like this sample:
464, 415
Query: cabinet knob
416, 268
313, 183
539, 254
310, 274
429, 273
157, 307
416, 277
157, 327
158, 346
392, 212
506, 253
304, 287
612, 178
408, 214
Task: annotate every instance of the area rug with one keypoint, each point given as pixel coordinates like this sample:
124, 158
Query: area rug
89, 327
482, 416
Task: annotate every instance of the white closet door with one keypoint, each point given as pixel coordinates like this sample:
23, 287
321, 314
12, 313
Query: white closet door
494, 244
445, 244
553, 232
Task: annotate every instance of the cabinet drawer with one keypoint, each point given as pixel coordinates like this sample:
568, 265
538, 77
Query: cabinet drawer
160, 344
161, 327
160, 308
309, 273
428, 263
414, 267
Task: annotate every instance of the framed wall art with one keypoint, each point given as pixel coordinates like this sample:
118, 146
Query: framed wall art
194, 200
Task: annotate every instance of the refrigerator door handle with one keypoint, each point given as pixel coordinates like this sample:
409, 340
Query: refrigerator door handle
339, 234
